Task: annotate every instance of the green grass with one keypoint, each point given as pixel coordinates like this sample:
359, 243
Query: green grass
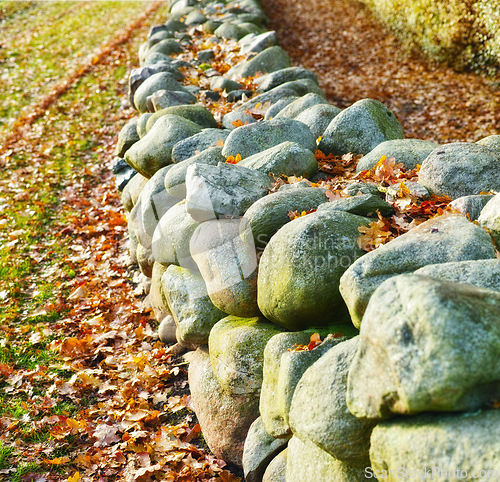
5, 453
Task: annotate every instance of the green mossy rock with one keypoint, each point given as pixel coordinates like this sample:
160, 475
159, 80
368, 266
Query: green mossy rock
362, 205
318, 118
408, 152
269, 60
442, 443
141, 124
279, 77
270, 213
303, 103
159, 81
127, 136
439, 240
154, 150
194, 113
300, 269
236, 347
187, 297
360, 128
426, 345
199, 142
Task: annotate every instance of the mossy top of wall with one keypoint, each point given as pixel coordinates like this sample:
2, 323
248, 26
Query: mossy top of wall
463, 33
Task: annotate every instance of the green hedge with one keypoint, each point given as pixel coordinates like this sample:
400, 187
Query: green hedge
464, 33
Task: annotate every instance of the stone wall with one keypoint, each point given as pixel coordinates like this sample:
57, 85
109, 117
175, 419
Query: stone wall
250, 201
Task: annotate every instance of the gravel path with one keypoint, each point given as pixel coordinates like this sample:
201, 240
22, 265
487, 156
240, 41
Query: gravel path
355, 57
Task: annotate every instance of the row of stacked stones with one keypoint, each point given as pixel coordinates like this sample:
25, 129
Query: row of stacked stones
407, 377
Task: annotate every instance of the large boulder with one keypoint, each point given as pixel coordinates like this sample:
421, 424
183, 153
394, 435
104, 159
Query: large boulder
226, 257
426, 345
194, 113
442, 447
260, 448
490, 218
461, 169
483, 273
162, 99
225, 190
409, 152
236, 348
300, 269
171, 238
187, 297
128, 135
360, 128
319, 410
258, 43
270, 213
175, 180
470, 206
306, 461
279, 77
199, 142
154, 150
224, 417
269, 60
439, 240
318, 118
285, 159
254, 138
362, 205
158, 81
292, 110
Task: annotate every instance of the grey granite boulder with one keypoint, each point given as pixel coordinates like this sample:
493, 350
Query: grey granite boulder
269, 60
155, 297
461, 169
167, 330
303, 103
225, 190
224, 417
276, 470
141, 124
154, 150
279, 77
194, 113
175, 180
132, 191
171, 237
162, 99
362, 205
439, 240
318, 118
158, 81
306, 461
408, 152
285, 159
258, 43
319, 410
127, 136
483, 273
279, 106
270, 213
300, 269
199, 142
254, 138
493, 142
360, 128
236, 348
470, 206
267, 99
490, 218
187, 297
426, 345
227, 260
222, 83
231, 31
166, 47
235, 119
260, 448
283, 369
448, 446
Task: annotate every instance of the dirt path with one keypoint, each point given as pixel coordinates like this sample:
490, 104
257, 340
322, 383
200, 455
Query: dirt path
354, 57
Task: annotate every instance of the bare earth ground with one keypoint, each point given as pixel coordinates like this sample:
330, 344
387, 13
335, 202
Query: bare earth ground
355, 57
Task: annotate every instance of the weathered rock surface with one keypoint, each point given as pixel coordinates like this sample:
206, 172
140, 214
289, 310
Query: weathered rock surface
199, 142
162, 99
300, 269
132, 191
123, 173
260, 448
442, 443
319, 412
158, 81
258, 43
224, 417
408, 152
362, 205
279, 77
285, 159
156, 299
471, 206
269, 60
490, 218
318, 118
167, 330
194, 113
292, 110
254, 138
225, 190
270, 213
127, 136
236, 348
187, 297
360, 128
493, 142
276, 470
439, 240
426, 345
227, 260
461, 169
154, 150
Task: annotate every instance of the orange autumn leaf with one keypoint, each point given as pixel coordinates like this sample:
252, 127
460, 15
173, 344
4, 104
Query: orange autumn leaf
298, 214
233, 160
375, 234
314, 341
238, 123
57, 461
220, 143
76, 477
